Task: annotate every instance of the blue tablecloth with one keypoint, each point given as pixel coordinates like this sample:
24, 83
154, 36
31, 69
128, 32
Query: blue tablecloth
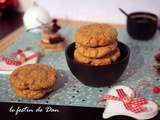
68, 90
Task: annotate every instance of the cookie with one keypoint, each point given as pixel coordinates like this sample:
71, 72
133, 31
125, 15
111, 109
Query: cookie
97, 52
106, 60
33, 77
30, 94
52, 42
96, 35
52, 47
52, 38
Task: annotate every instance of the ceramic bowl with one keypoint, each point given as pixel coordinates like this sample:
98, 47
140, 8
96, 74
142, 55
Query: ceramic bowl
142, 25
98, 76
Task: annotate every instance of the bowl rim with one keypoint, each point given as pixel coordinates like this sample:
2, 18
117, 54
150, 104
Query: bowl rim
87, 65
142, 13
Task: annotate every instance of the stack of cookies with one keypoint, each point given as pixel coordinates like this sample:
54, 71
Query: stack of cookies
33, 81
52, 42
96, 44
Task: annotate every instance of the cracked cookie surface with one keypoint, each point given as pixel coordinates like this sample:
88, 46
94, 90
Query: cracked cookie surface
33, 77
96, 35
96, 52
106, 60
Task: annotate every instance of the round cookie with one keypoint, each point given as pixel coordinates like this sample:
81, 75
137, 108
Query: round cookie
52, 38
96, 52
52, 47
52, 42
30, 94
33, 77
106, 60
96, 35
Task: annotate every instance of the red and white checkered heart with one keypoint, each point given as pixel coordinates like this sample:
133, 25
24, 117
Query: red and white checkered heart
117, 104
8, 65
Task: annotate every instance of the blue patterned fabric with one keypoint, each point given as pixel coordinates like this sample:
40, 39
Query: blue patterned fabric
68, 90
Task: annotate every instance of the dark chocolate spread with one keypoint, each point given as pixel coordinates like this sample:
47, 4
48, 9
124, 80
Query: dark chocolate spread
56, 40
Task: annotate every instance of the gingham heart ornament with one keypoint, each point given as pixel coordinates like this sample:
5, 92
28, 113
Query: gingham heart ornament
119, 101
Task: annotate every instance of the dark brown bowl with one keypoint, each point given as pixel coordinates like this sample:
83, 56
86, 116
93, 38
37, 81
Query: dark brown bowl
99, 76
142, 25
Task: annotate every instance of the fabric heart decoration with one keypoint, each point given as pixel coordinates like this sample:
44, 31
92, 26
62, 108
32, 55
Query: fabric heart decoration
7, 65
120, 101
